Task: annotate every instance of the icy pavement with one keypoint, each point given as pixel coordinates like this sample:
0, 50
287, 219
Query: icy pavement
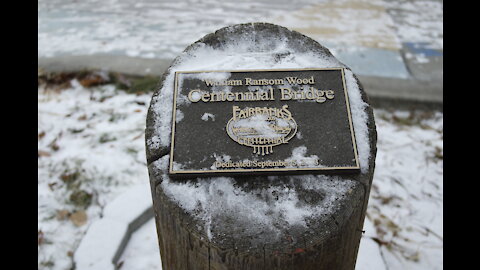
374, 37
148, 29
91, 150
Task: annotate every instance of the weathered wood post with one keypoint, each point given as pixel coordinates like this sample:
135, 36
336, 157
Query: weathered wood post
261, 150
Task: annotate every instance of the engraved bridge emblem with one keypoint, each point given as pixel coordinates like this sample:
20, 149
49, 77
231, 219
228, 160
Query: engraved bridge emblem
261, 127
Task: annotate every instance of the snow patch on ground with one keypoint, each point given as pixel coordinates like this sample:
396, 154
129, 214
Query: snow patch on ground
91, 149
406, 202
142, 252
418, 21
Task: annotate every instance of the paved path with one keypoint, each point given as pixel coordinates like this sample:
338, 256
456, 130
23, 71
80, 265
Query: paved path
396, 46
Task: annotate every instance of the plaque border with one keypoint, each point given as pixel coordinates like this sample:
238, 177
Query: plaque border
236, 172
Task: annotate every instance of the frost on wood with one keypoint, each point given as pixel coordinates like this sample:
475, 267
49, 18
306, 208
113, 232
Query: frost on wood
271, 210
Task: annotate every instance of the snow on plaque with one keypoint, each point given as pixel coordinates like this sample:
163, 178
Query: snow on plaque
261, 127
261, 122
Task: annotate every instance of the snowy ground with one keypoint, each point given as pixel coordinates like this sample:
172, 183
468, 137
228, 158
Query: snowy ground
91, 149
91, 140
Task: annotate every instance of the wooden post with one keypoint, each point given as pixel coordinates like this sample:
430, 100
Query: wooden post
328, 242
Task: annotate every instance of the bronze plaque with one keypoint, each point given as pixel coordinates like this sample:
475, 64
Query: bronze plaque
250, 122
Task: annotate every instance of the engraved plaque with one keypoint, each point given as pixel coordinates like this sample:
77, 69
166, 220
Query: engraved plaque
250, 122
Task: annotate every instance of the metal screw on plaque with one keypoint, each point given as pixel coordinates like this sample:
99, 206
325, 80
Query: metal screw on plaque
261, 150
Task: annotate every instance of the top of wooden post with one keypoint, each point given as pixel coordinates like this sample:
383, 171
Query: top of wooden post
247, 213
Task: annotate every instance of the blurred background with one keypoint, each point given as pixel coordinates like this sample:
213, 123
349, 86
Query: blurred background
99, 62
